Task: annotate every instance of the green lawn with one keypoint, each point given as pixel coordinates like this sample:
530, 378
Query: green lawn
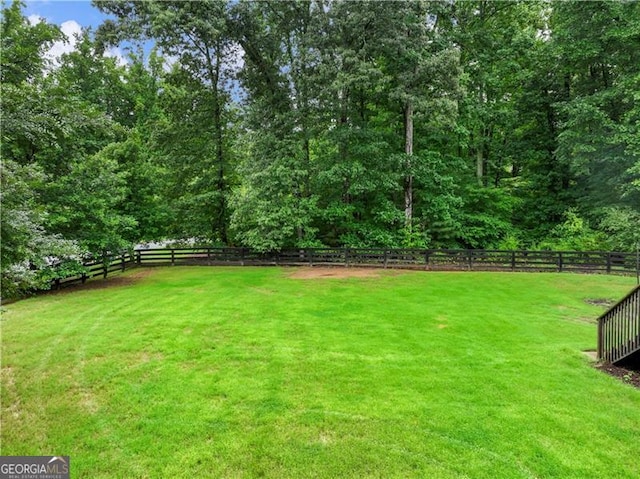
245, 372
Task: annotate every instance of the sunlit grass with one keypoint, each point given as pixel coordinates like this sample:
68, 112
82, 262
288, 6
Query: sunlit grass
245, 372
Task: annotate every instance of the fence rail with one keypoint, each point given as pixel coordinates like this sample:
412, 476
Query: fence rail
433, 260
474, 260
98, 267
619, 329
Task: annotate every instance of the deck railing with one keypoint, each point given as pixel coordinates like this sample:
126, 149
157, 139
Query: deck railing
619, 329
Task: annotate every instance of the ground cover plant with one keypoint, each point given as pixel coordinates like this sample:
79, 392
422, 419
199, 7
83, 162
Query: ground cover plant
267, 372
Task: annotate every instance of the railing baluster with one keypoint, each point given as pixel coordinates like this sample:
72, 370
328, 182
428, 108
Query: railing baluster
619, 329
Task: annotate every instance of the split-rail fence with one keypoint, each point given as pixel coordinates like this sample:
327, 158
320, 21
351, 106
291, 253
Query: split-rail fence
425, 259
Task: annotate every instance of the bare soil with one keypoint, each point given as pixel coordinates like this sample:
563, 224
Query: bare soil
627, 376
322, 272
606, 303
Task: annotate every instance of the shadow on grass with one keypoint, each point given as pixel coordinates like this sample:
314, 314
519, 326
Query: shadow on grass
128, 279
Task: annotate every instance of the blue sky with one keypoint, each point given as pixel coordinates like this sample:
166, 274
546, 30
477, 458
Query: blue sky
71, 16
60, 11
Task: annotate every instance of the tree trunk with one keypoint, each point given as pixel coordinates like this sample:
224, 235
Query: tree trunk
343, 147
480, 164
408, 149
214, 76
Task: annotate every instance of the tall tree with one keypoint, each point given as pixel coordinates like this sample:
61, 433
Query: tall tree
276, 206
599, 51
195, 35
422, 69
36, 129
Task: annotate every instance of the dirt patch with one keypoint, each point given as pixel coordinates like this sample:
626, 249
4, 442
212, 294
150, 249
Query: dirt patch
627, 376
605, 303
320, 272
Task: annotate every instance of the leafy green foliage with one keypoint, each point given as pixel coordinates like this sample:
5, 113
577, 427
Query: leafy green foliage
598, 43
282, 124
28, 252
486, 217
23, 45
621, 225
575, 234
86, 204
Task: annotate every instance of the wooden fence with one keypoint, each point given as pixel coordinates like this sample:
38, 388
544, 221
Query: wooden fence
471, 260
433, 260
98, 267
619, 329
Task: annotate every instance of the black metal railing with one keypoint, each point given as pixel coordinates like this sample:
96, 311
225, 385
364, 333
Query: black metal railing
619, 329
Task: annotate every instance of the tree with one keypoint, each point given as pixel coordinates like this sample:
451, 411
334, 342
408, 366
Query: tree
599, 48
27, 126
421, 66
24, 45
194, 33
29, 254
280, 60
51, 139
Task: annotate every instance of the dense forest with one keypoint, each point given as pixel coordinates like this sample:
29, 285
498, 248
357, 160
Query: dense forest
273, 124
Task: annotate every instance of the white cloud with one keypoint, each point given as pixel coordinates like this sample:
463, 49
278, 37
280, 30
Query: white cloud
115, 52
70, 29
169, 61
34, 19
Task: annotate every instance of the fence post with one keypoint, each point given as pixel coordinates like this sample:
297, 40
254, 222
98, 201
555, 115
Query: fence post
608, 262
426, 259
138, 257
470, 259
385, 259
173, 257
346, 257
122, 261
560, 261
104, 266
513, 260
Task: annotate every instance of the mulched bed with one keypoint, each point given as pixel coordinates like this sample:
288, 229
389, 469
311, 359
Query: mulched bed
628, 376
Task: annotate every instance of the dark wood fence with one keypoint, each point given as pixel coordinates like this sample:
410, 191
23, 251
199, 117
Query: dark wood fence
619, 329
472, 260
98, 267
433, 260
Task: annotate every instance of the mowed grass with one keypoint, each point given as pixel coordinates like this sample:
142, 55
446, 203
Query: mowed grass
246, 372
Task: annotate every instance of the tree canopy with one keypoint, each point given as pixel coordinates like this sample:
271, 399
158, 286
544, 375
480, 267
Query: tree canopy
272, 124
